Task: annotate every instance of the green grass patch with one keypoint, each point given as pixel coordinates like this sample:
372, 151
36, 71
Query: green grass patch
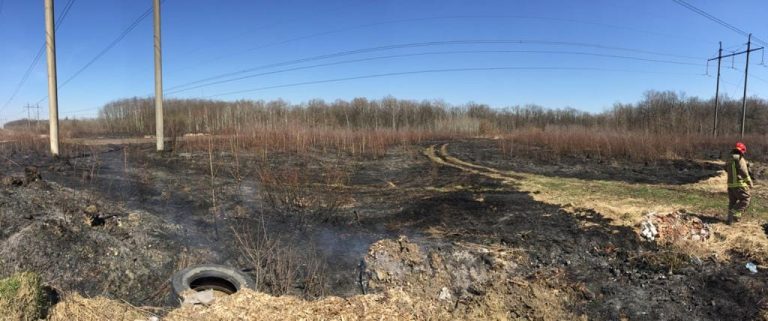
22, 297
635, 197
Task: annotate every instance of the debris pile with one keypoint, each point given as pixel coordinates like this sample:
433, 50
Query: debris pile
673, 227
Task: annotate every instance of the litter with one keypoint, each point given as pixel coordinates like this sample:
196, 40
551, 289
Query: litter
203, 297
445, 294
751, 267
649, 231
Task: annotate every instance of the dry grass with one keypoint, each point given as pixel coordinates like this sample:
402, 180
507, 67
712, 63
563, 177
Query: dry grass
746, 239
76, 307
22, 297
250, 305
555, 142
301, 140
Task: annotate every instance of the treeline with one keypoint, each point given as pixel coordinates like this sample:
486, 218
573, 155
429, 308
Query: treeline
657, 113
671, 113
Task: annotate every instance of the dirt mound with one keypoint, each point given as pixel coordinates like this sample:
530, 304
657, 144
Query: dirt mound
250, 305
468, 281
81, 243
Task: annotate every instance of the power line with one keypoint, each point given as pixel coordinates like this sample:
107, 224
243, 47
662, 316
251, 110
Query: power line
753, 76
38, 55
431, 53
428, 71
340, 30
717, 20
106, 49
424, 44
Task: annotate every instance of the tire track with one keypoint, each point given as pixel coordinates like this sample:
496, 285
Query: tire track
441, 157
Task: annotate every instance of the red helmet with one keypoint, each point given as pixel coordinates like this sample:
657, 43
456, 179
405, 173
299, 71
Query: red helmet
741, 147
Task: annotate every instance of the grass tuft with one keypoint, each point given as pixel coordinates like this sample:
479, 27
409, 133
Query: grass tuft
22, 297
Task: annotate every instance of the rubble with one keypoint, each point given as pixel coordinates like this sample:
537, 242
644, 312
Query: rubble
648, 230
673, 227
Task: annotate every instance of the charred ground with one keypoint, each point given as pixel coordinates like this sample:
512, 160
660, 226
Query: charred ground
316, 215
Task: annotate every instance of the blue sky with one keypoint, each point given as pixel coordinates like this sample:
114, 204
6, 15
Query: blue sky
582, 54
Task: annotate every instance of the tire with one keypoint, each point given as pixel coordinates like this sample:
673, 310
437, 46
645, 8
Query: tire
210, 276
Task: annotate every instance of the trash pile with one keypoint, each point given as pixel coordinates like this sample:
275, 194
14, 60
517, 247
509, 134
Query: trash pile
673, 227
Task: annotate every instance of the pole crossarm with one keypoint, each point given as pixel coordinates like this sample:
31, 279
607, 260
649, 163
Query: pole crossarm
736, 53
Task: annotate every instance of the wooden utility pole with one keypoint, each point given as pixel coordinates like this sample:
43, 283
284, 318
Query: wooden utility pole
717, 88
746, 74
29, 126
53, 97
744, 97
37, 118
158, 81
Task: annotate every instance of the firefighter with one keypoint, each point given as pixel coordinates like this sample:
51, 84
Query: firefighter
739, 183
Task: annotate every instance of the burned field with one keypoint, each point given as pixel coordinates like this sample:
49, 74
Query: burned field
462, 229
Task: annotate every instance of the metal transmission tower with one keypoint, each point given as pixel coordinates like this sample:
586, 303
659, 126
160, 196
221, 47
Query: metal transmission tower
53, 101
746, 75
158, 80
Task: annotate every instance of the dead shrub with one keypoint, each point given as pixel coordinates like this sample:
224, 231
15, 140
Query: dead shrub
290, 190
666, 260
278, 267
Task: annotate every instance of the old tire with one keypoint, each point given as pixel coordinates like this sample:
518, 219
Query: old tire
210, 276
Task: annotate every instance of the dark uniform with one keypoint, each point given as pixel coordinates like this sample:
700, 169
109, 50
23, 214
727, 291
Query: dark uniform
739, 184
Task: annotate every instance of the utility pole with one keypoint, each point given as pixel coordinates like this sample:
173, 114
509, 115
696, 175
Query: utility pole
53, 97
37, 118
744, 97
27, 107
29, 116
746, 74
158, 81
717, 88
